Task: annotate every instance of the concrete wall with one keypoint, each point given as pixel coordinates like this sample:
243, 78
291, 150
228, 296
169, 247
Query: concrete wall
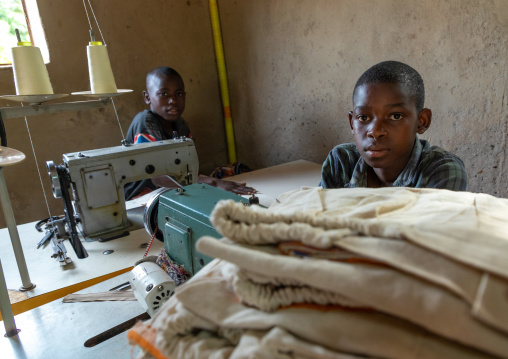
291, 64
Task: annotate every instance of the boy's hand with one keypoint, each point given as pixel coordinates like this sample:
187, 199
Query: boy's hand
230, 186
238, 188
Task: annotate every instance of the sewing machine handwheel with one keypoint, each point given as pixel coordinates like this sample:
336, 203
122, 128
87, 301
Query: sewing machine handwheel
55, 181
151, 212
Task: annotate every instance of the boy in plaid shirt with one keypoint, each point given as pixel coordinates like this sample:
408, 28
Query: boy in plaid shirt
387, 115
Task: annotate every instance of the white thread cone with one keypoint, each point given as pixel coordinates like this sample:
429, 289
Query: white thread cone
99, 68
30, 74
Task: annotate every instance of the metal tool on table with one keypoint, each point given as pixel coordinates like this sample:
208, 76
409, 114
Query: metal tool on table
96, 180
56, 233
117, 329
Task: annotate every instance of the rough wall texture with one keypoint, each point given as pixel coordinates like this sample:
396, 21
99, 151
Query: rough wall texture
291, 68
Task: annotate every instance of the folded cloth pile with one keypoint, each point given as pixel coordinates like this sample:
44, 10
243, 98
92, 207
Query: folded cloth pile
345, 273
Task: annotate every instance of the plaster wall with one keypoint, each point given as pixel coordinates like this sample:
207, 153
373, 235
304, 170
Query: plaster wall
292, 65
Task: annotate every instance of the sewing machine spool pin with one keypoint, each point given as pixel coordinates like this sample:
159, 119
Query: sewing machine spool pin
253, 199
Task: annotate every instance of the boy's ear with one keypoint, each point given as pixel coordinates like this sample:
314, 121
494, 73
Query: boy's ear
146, 96
424, 120
351, 120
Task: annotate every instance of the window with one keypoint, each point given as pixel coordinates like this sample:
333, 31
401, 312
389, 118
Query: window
12, 16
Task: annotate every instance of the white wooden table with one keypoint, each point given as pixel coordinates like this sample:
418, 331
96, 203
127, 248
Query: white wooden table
59, 330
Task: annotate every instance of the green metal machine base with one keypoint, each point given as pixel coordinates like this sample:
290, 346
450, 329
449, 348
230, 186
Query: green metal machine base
184, 217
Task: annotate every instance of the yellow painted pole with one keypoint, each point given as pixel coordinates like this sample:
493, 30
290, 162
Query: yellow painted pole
223, 79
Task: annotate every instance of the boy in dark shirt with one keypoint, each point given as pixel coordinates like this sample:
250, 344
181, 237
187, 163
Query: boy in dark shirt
165, 93
387, 114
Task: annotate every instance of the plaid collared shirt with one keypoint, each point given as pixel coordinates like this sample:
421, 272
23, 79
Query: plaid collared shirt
428, 167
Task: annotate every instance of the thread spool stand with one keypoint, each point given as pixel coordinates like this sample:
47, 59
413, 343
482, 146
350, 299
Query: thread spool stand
37, 108
35, 100
9, 156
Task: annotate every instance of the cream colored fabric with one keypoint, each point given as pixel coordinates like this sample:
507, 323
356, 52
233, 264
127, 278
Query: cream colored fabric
491, 302
470, 228
441, 292
280, 344
383, 288
206, 320
270, 293
449, 238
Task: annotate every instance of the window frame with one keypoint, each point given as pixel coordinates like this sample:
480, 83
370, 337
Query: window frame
35, 29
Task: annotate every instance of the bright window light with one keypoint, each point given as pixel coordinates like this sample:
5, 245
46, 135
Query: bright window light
12, 17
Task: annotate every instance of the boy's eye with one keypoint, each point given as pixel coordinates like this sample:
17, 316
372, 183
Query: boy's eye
396, 117
362, 118
163, 93
180, 93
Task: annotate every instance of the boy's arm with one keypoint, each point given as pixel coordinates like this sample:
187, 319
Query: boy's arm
339, 166
327, 171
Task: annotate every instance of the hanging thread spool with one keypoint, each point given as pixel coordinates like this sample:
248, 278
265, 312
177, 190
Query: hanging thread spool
99, 68
30, 74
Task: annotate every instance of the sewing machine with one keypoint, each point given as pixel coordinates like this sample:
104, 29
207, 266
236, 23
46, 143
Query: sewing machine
182, 216
97, 179
98, 210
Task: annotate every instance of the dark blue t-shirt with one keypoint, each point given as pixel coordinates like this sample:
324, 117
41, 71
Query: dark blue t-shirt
145, 127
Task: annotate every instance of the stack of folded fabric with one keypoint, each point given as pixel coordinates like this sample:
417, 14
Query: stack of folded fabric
346, 273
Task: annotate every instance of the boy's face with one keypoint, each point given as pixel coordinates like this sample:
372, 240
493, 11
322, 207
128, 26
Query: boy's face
384, 122
166, 96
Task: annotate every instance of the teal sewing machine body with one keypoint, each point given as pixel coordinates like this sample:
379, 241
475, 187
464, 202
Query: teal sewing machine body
184, 216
